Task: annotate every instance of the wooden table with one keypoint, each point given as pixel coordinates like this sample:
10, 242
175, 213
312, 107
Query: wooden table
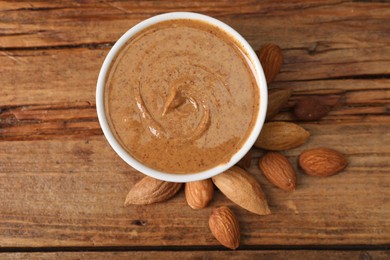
62, 187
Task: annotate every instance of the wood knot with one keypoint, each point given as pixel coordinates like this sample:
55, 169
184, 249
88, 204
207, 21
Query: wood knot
139, 222
313, 49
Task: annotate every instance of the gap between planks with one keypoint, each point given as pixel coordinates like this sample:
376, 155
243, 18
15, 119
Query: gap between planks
197, 248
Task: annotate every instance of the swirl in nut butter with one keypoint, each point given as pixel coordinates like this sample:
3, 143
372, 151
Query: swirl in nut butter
181, 96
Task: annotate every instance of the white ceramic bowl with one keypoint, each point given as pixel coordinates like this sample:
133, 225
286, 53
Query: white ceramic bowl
259, 75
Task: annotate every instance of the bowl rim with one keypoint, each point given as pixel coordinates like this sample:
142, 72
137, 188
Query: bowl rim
186, 177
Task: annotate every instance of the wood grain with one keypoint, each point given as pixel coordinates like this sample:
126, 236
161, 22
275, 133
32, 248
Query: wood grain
317, 43
23, 23
71, 193
61, 185
240, 254
76, 119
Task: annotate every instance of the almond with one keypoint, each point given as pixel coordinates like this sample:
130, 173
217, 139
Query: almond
279, 136
322, 162
225, 228
277, 99
246, 161
310, 108
199, 193
243, 189
278, 170
271, 60
149, 190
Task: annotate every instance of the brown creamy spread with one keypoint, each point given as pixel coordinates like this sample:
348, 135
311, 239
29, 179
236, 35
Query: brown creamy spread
181, 96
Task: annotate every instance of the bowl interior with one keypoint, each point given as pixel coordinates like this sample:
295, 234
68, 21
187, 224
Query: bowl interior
259, 76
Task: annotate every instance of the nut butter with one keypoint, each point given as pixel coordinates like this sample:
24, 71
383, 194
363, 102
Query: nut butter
181, 96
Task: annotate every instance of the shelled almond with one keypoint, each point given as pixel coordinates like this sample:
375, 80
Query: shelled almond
243, 189
277, 99
310, 108
271, 59
199, 193
279, 136
278, 170
225, 228
322, 162
150, 190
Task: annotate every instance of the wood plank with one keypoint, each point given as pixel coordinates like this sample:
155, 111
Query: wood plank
238, 254
316, 42
57, 193
352, 101
76, 119
79, 119
23, 25
57, 76
65, 76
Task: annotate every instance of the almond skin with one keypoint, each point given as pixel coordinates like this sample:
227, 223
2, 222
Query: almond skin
271, 59
277, 99
310, 108
149, 190
243, 189
278, 170
225, 228
246, 161
280, 136
322, 162
199, 193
